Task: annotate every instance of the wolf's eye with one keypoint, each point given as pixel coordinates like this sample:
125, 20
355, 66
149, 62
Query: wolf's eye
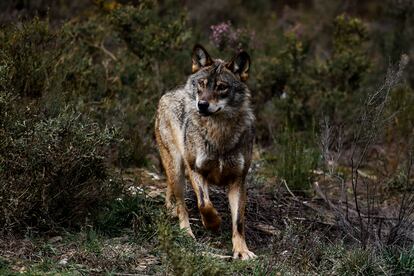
223, 95
222, 87
202, 82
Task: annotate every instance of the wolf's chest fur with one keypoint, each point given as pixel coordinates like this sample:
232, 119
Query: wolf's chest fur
220, 170
216, 154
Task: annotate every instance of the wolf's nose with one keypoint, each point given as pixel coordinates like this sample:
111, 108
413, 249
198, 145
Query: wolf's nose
203, 106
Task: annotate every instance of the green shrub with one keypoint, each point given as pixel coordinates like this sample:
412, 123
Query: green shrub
29, 51
297, 87
60, 88
52, 170
346, 70
111, 67
286, 87
148, 35
120, 61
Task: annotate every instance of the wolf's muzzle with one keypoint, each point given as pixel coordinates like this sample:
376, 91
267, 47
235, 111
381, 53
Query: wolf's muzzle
203, 108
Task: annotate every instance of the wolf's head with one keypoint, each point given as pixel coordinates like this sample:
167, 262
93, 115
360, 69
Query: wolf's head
218, 86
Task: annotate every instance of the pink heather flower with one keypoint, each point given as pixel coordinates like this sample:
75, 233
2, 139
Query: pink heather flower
219, 33
224, 35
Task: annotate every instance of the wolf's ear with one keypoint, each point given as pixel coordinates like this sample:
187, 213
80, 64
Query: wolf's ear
200, 58
240, 65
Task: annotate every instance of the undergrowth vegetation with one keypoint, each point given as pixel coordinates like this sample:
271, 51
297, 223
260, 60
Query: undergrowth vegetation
331, 184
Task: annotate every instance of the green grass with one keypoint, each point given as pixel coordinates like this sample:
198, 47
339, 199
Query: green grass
293, 159
298, 249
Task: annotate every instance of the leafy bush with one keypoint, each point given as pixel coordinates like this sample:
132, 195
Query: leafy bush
29, 52
60, 88
345, 71
111, 67
297, 87
148, 35
149, 43
52, 170
52, 164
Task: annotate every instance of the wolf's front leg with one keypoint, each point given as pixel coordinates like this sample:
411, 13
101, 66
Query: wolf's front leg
237, 200
209, 215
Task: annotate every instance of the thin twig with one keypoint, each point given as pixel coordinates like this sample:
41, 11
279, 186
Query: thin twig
106, 51
290, 192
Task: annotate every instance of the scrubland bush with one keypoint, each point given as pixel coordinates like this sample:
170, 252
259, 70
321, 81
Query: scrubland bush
297, 88
28, 51
151, 43
52, 170
63, 92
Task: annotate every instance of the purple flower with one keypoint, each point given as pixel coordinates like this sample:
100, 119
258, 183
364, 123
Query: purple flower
223, 35
220, 34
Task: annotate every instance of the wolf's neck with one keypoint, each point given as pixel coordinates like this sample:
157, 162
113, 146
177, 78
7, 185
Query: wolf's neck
223, 133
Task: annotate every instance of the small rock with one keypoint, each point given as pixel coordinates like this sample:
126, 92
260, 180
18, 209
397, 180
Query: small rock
154, 176
55, 239
63, 262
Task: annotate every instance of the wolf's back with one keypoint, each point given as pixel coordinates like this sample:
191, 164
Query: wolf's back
171, 115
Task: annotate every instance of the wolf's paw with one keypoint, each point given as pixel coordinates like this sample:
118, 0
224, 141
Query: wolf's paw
210, 218
244, 254
190, 233
187, 229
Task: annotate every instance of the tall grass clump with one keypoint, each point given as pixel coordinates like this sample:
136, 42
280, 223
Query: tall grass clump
292, 161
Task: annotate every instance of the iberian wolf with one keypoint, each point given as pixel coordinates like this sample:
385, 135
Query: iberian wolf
205, 129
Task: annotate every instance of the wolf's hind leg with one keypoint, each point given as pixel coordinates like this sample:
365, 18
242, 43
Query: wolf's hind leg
169, 196
174, 168
209, 215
